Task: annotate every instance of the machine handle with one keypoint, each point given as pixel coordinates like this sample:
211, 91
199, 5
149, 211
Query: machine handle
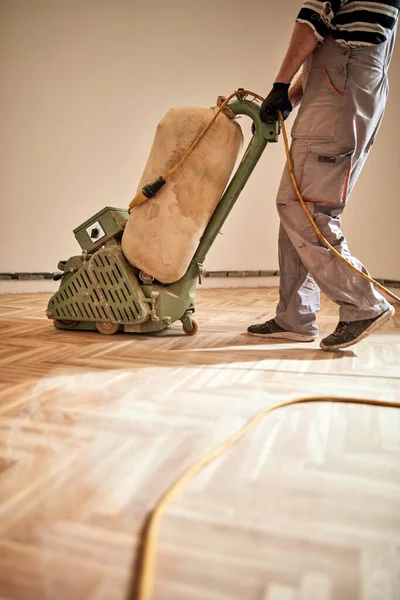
264, 131
264, 134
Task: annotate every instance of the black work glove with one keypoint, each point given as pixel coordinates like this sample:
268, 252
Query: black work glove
276, 100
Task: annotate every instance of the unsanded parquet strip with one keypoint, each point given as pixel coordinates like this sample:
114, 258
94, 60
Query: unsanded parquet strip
93, 429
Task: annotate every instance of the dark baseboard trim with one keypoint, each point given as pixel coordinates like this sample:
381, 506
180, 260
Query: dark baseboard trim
37, 276
40, 276
26, 276
241, 274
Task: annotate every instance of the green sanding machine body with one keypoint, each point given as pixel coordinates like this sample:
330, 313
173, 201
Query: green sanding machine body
100, 290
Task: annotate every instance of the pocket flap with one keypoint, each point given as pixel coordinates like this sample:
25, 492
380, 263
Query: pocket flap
325, 175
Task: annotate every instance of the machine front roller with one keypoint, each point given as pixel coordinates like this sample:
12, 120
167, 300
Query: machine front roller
107, 327
65, 324
189, 325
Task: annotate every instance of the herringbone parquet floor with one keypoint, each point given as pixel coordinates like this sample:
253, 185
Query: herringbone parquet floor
94, 428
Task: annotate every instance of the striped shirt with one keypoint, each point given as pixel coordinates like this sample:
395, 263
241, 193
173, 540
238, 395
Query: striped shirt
351, 22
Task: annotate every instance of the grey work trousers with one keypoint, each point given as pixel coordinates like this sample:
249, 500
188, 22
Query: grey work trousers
345, 92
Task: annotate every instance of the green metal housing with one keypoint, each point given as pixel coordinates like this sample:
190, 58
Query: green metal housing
101, 228
101, 290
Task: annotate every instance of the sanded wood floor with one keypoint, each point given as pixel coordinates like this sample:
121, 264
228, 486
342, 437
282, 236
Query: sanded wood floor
94, 428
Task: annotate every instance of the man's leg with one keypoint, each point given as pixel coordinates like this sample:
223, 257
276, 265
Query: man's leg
299, 296
355, 296
362, 308
301, 252
298, 299
321, 170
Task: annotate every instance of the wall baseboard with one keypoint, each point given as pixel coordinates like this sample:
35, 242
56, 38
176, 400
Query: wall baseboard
37, 282
219, 274
36, 276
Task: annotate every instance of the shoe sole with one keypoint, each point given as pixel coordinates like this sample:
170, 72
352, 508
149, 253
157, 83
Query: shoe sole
384, 318
289, 336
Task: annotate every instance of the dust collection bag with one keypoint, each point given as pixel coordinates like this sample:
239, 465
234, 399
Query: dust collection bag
162, 234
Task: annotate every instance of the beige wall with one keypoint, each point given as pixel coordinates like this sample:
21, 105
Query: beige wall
83, 84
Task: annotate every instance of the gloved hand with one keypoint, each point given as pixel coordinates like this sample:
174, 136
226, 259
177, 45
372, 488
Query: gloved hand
276, 100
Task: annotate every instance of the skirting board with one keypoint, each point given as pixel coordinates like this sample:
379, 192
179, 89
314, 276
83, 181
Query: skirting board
30, 283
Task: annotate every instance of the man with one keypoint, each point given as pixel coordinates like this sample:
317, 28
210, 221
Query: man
344, 47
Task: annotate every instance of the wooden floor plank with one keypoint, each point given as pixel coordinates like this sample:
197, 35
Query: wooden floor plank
93, 429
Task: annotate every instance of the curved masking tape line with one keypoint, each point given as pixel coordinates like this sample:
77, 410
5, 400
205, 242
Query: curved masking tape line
148, 545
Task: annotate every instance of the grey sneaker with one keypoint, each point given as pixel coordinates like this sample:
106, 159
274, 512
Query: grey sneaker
348, 333
270, 329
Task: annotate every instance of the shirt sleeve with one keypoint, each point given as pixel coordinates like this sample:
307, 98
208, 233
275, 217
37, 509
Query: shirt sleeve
318, 14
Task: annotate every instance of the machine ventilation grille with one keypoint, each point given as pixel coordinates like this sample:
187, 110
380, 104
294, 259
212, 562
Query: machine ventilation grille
105, 289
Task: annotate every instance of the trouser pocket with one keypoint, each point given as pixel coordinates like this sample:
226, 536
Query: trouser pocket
326, 174
322, 104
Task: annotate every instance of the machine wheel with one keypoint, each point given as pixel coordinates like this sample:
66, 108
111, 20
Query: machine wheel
106, 327
194, 330
67, 324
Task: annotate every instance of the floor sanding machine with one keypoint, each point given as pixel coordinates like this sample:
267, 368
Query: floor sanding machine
101, 290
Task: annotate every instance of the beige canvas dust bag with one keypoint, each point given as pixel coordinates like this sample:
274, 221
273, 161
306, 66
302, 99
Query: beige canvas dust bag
162, 234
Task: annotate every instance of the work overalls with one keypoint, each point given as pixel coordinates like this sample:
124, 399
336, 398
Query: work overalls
345, 92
